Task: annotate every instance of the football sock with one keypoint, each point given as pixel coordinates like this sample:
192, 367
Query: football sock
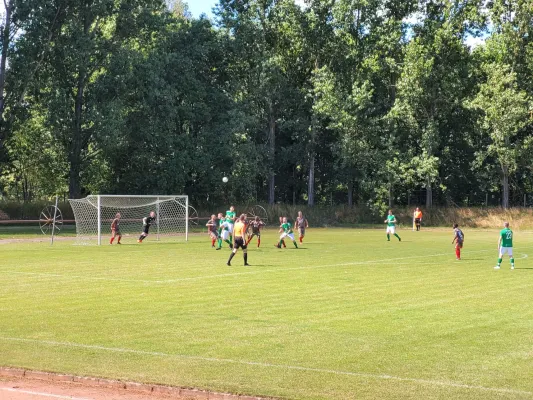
228, 242
399, 238
458, 253
231, 238
230, 257
258, 242
213, 242
141, 238
111, 241
301, 239
512, 262
499, 261
295, 244
118, 241
283, 241
245, 258
279, 244
388, 237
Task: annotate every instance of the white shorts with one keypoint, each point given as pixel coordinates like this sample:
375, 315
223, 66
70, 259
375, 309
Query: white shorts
391, 229
284, 235
506, 250
230, 227
224, 235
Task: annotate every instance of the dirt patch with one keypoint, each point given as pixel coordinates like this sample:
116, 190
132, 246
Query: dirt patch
20, 384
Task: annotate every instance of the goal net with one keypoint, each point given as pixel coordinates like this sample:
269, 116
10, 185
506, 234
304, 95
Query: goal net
94, 215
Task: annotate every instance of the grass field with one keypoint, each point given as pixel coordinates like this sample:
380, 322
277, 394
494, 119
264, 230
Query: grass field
348, 316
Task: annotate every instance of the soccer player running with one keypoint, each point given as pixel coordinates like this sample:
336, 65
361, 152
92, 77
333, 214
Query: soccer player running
212, 229
417, 218
301, 224
391, 226
505, 245
458, 239
147, 222
239, 242
256, 226
280, 227
115, 230
286, 231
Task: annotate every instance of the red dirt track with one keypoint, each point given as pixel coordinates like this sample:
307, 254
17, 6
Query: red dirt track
19, 384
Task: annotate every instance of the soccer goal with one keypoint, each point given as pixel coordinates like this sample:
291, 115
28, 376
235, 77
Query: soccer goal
94, 215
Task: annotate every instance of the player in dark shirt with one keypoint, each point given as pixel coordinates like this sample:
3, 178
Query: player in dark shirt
147, 222
256, 224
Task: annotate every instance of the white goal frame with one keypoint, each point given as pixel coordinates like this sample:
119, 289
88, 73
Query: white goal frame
89, 214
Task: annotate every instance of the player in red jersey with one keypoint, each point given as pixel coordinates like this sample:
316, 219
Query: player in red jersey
458, 239
115, 230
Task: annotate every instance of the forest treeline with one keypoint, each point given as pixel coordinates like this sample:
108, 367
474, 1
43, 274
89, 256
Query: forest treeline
336, 101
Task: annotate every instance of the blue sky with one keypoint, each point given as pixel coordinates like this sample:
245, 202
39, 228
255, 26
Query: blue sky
197, 7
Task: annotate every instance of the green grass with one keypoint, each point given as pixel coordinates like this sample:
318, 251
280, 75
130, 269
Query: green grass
348, 316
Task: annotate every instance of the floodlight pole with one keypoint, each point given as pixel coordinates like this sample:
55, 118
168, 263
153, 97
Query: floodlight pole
54, 221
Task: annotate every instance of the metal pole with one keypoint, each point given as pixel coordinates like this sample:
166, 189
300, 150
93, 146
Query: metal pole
187, 218
99, 211
54, 222
157, 217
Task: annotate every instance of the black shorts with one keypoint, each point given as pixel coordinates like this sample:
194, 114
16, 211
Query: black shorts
117, 232
146, 228
417, 221
239, 243
258, 233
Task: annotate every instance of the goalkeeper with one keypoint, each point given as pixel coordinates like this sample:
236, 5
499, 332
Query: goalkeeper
147, 222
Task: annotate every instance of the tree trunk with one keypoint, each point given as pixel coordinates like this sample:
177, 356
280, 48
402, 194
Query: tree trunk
350, 194
429, 194
3, 60
391, 200
272, 156
505, 187
311, 182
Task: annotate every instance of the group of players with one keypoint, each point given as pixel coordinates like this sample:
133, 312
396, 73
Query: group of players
505, 238
238, 232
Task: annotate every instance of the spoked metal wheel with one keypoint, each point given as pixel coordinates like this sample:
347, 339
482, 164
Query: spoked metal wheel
258, 211
193, 217
50, 220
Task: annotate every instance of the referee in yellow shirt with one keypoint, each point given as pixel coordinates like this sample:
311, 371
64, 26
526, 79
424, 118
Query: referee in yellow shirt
239, 229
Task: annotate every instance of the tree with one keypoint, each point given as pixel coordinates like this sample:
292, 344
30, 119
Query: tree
504, 113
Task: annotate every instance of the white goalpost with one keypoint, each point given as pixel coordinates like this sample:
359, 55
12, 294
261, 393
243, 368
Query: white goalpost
94, 214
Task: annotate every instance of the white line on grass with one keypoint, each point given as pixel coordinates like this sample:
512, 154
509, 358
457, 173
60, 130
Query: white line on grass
55, 396
269, 365
252, 272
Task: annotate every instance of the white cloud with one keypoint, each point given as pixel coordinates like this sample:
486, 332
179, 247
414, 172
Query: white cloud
474, 42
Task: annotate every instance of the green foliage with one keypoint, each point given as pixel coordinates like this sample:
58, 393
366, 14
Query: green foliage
357, 102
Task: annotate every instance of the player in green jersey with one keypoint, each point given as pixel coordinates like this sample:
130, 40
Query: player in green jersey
231, 216
391, 226
223, 232
505, 245
286, 231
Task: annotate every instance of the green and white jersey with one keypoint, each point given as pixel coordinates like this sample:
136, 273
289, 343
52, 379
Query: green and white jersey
507, 237
287, 227
390, 220
230, 216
